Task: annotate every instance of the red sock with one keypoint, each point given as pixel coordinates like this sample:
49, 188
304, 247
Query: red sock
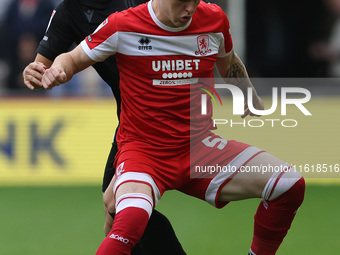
133, 212
273, 219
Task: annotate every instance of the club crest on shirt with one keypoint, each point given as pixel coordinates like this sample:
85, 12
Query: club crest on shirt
203, 45
120, 169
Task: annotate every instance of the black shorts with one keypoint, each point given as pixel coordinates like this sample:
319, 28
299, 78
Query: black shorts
109, 168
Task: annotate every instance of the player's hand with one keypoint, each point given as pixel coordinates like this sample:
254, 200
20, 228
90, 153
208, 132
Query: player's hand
258, 105
33, 74
53, 77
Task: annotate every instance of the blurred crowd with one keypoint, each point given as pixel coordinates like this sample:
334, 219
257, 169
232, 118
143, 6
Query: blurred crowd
22, 26
298, 38
283, 39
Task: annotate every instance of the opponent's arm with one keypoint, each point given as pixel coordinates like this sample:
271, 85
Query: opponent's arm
65, 66
232, 69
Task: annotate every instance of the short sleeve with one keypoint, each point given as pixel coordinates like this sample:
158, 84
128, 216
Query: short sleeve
227, 44
58, 37
103, 42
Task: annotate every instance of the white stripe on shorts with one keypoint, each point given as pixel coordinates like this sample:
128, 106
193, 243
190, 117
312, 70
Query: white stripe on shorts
288, 178
221, 177
138, 177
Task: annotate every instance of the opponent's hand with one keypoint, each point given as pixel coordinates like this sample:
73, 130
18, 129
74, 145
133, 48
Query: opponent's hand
33, 74
258, 105
53, 77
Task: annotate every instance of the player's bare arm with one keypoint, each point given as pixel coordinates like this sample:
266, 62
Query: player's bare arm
232, 69
34, 72
65, 66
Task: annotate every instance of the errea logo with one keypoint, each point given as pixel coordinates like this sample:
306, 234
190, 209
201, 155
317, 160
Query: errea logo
144, 43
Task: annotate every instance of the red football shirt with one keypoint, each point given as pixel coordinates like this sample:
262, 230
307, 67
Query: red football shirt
161, 69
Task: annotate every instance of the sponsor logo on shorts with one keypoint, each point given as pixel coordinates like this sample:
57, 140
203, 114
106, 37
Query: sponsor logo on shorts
251, 253
120, 169
119, 238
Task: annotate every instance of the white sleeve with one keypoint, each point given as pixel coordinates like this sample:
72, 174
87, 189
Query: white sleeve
99, 51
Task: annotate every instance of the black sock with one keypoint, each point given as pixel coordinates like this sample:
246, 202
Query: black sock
159, 236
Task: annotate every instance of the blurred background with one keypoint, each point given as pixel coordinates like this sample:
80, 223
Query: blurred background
274, 38
54, 144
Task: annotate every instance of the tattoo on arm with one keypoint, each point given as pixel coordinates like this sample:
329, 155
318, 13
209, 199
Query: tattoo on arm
237, 74
237, 70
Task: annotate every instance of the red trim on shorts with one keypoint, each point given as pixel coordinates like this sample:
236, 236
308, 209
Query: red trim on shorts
220, 204
134, 197
277, 180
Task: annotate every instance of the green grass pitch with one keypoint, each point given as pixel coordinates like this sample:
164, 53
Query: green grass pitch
69, 220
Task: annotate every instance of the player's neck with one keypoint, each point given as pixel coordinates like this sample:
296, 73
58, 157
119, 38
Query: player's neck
160, 14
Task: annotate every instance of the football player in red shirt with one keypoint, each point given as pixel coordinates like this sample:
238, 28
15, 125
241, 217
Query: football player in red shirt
164, 50
70, 23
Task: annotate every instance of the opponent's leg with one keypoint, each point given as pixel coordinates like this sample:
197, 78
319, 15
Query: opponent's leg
159, 237
282, 194
109, 181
